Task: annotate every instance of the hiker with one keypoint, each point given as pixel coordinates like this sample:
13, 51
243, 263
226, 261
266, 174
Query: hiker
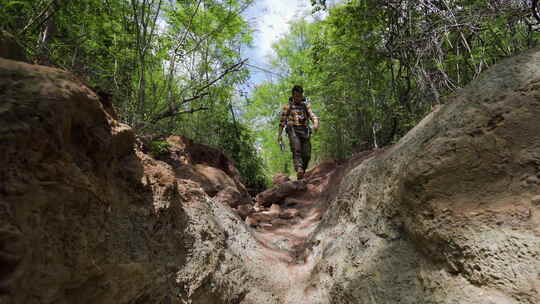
295, 118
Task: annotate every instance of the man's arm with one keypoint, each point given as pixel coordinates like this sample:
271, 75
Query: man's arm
312, 117
283, 119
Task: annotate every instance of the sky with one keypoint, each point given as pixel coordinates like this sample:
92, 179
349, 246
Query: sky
270, 20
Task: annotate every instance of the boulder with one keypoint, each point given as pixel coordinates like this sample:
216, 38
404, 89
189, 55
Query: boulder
289, 213
279, 222
275, 210
245, 210
208, 166
279, 179
250, 221
322, 169
230, 197
214, 179
276, 195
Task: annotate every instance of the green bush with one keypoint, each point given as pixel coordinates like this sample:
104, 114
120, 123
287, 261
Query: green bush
159, 147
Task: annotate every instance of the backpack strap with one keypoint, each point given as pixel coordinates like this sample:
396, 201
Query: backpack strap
304, 105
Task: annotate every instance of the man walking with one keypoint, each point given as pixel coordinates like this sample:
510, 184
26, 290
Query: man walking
295, 117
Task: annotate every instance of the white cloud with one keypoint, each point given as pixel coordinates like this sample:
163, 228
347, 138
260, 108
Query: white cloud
271, 18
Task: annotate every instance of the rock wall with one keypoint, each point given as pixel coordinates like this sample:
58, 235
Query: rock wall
450, 214
85, 217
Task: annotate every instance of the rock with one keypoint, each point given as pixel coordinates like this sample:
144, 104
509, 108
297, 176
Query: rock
212, 157
277, 194
251, 222
203, 164
536, 200
275, 210
289, 213
230, 197
106, 100
533, 180
258, 207
321, 169
279, 179
266, 225
279, 222
245, 210
11, 256
216, 179
259, 220
292, 202
262, 217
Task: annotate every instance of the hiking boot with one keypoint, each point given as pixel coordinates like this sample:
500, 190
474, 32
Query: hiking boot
300, 174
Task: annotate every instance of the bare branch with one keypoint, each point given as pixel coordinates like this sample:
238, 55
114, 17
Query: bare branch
200, 92
184, 101
234, 68
38, 17
188, 28
191, 111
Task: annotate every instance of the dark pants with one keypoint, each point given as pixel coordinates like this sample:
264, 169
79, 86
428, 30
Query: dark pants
300, 146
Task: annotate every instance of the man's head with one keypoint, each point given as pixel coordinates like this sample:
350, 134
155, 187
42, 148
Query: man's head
297, 93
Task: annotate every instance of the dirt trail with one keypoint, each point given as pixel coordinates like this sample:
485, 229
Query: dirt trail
284, 230
292, 239
285, 244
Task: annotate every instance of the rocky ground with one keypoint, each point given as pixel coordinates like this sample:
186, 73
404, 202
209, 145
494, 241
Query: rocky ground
90, 214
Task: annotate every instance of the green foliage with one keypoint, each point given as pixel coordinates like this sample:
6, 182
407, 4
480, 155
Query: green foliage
373, 69
158, 147
263, 113
239, 143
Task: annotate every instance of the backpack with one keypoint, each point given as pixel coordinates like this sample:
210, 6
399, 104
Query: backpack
304, 107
